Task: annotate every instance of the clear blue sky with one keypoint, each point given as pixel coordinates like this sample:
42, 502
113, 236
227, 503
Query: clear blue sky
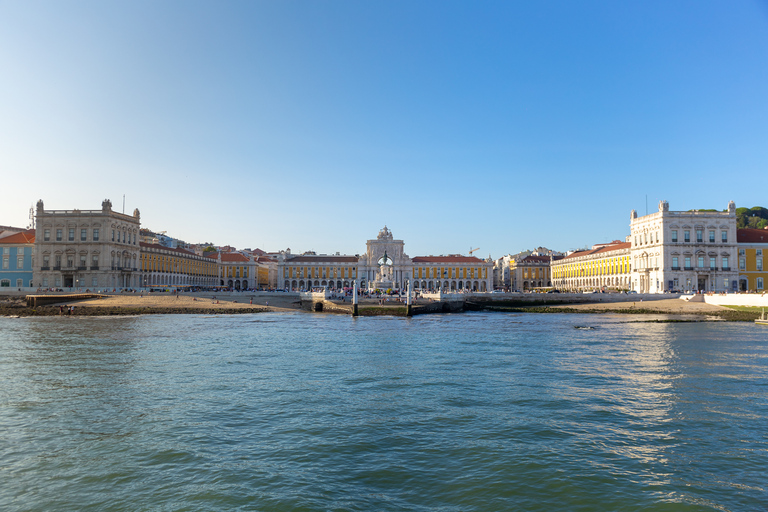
310, 125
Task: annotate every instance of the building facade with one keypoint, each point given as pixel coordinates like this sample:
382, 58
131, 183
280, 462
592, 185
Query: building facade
385, 265
752, 247
684, 251
604, 267
17, 260
87, 248
164, 266
530, 272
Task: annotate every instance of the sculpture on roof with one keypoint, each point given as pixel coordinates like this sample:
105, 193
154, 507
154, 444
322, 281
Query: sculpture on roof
385, 234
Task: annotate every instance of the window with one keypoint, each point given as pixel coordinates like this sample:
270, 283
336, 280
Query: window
646, 238
83, 235
20, 262
58, 261
758, 253
70, 261
46, 261
742, 264
687, 236
95, 234
94, 262
19, 283
712, 236
58, 235
759, 264
57, 282
47, 235
674, 236
759, 283
5, 283
699, 235
687, 263
701, 261
45, 282
6, 263
71, 234
724, 236
113, 235
83, 261
675, 263
725, 263
742, 252
94, 281
712, 262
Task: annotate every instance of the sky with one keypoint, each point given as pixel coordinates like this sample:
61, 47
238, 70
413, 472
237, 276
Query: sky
310, 125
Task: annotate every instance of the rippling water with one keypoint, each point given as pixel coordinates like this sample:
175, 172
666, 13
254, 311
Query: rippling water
321, 412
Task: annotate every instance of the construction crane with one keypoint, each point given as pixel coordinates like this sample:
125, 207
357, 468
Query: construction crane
472, 250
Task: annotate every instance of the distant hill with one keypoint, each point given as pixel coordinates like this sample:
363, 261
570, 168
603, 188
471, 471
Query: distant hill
755, 217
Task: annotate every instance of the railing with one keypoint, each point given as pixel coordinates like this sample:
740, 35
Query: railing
688, 268
57, 268
726, 269
82, 268
675, 268
45, 268
94, 267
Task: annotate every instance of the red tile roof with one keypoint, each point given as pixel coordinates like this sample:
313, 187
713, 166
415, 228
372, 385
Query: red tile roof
232, 257
323, 259
752, 236
25, 237
446, 259
606, 248
177, 250
536, 259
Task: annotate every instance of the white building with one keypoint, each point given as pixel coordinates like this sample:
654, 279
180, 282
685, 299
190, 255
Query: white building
684, 251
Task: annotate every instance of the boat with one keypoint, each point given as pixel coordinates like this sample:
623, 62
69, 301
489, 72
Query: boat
763, 320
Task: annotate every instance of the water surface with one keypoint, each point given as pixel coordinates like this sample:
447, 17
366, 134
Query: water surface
476, 411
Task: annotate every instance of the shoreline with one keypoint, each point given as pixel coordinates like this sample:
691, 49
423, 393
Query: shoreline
123, 305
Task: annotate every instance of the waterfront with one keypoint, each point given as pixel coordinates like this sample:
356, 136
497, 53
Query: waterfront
290, 411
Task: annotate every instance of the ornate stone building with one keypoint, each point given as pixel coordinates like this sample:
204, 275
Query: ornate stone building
384, 266
87, 248
684, 251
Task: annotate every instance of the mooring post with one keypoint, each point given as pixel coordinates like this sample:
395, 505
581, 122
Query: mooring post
408, 307
354, 299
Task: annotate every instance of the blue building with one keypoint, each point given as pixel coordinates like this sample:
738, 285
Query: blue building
16, 255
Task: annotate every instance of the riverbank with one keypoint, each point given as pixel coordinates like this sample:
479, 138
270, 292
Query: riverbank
143, 304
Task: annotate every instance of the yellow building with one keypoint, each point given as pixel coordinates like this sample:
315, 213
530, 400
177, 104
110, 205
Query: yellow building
168, 266
752, 245
604, 267
530, 272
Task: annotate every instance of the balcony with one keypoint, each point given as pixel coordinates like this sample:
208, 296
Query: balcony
688, 268
675, 268
45, 268
57, 267
83, 267
94, 267
726, 269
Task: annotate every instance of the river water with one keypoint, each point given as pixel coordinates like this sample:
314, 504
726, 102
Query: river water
475, 411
